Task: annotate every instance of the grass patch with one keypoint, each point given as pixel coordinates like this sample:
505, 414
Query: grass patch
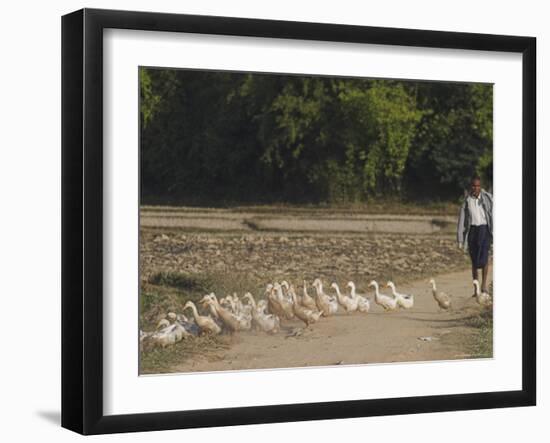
482, 345
161, 360
194, 286
169, 291
180, 280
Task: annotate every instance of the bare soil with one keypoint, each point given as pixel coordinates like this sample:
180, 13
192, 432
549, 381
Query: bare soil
268, 256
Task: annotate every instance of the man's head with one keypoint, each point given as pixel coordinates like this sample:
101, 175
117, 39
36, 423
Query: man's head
475, 186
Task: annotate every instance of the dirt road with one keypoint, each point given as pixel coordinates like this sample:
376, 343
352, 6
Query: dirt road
420, 334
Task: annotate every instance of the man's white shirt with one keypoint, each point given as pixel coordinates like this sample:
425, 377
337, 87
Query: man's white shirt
477, 214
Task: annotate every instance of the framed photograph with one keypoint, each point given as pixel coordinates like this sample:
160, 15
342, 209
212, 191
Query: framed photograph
268, 221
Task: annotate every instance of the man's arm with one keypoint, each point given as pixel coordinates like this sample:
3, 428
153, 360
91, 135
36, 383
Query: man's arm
460, 225
490, 199
489, 210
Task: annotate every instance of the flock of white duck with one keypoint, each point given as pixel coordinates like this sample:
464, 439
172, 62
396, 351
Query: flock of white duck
281, 302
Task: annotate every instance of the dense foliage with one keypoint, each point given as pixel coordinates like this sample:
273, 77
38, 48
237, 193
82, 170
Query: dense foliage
219, 137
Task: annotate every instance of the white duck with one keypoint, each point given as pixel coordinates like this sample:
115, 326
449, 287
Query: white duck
210, 307
144, 335
178, 332
262, 306
182, 318
231, 321
248, 297
307, 300
325, 303
405, 301
269, 323
285, 305
169, 335
306, 315
227, 302
245, 318
388, 303
237, 304
285, 286
163, 324
273, 305
235, 310
349, 303
363, 304
292, 296
443, 300
483, 298
205, 323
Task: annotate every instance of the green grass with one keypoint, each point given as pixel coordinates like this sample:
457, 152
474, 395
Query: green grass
169, 291
482, 345
194, 286
181, 281
162, 360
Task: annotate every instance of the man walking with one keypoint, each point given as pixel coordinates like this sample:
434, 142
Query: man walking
475, 228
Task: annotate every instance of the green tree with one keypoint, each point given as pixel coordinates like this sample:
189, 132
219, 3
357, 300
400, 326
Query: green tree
213, 137
454, 138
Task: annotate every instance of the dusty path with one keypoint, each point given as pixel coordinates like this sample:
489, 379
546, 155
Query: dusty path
420, 334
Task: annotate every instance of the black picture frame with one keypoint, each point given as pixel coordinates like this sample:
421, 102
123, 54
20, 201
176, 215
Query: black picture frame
82, 218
